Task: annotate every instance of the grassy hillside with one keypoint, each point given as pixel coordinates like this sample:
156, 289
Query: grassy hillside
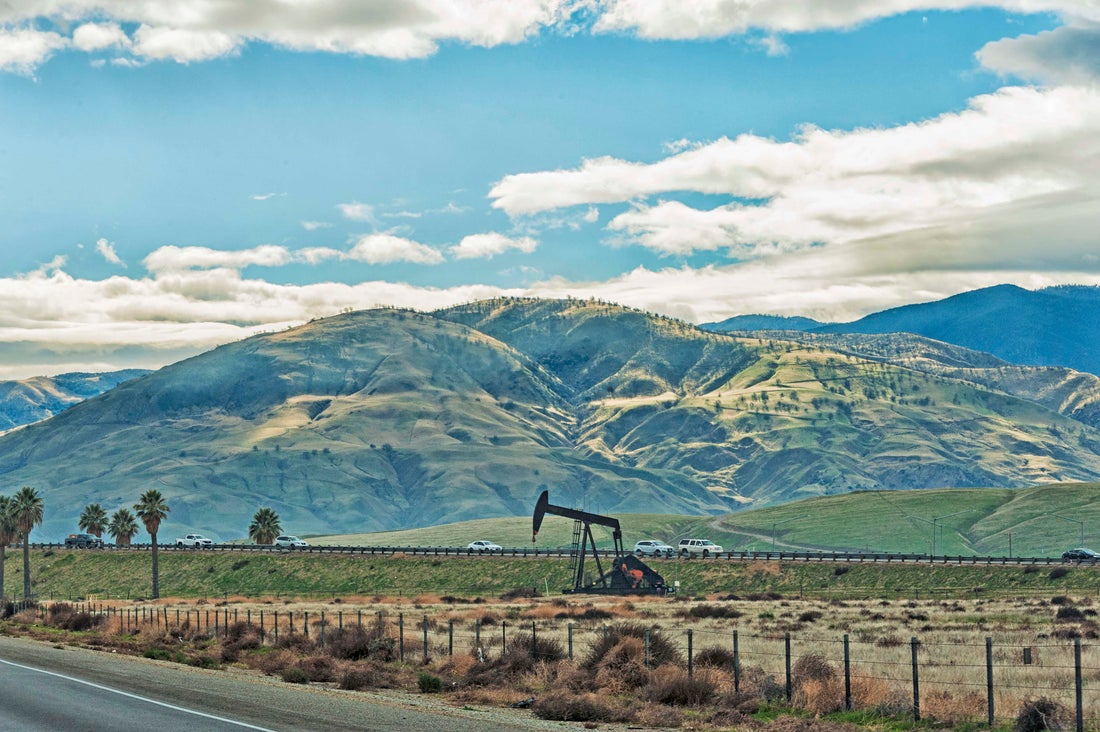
1041, 521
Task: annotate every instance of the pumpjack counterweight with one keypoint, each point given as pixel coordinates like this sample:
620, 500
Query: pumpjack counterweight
627, 574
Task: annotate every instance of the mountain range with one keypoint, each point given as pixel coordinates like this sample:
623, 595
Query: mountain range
1055, 326
32, 400
388, 419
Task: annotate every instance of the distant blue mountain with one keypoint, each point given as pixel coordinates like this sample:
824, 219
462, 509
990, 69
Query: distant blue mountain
1056, 326
762, 322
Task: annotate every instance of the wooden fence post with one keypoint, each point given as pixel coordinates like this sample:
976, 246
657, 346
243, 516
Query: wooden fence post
914, 644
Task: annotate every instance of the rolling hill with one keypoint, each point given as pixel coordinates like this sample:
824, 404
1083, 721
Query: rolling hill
389, 419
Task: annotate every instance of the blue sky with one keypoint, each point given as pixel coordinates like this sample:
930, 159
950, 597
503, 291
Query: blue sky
174, 175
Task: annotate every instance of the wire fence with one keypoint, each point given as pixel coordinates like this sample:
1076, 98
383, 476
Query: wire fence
981, 679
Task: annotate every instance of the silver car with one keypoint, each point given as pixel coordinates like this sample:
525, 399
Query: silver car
653, 548
291, 542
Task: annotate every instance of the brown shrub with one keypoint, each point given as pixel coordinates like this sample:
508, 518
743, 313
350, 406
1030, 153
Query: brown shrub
946, 708
755, 682
355, 643
673, 686
820, 696
1037, 715
622, 667
566, 706
811, 667
661, 649
715, 657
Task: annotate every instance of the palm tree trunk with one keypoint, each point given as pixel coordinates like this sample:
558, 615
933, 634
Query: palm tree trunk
26, 566
3, 558
156, 570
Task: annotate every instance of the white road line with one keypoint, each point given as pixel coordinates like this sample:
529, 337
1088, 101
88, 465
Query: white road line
145, 699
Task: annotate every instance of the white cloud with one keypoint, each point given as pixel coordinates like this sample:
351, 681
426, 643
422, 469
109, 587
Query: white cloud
107, 250
691, 19
486, 246
315, 225
187, 31
356, 211
175, 259
266, 196
827, 187
592, 215
387, 249
183, 45
91, 37
1066, 55
23, 50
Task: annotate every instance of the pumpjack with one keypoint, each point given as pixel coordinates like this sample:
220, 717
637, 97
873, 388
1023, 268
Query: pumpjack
626, 575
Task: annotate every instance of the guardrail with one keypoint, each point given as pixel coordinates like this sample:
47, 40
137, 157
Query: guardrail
533, 552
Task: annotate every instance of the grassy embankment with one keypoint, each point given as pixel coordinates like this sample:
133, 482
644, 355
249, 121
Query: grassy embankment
73, 574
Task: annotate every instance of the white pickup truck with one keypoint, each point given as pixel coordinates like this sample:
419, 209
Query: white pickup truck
197, 540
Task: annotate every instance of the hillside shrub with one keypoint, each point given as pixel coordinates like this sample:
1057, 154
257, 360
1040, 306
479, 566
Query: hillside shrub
1069, 613
1058, 573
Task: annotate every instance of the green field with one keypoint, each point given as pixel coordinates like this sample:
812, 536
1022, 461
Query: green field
1041, 521
79, 574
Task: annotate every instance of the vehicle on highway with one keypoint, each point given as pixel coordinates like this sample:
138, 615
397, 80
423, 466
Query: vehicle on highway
653, 548
699, 547
1081, 554
83, 541
290, 542
195, 540
482, 546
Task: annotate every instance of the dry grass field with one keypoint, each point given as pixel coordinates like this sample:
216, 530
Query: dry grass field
600, 659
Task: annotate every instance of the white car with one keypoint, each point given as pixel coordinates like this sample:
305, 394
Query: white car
194, 540
291, 542
481, 546
699, 547
653, 548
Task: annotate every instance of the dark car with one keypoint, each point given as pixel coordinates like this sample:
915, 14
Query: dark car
1081, 555
83, 541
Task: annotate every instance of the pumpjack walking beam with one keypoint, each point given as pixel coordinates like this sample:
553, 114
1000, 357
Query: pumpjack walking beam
543, 507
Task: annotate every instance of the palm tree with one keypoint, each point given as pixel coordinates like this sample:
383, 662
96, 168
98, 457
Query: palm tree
93, 519
28, 514
265, 526
152, 509
9, 529
123, 526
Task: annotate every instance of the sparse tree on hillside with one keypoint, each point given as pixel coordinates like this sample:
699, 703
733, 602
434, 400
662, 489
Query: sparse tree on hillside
93, 519
123, 526
265, 526
28, 514
9, 529
152, 509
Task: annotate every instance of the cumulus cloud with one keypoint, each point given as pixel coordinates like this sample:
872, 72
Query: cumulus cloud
107, 250
826, 187
1066, 55
22, 50
486, 246
91, 37
188, 31
387, 249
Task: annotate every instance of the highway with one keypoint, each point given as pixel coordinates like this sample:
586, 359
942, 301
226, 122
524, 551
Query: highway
48, 688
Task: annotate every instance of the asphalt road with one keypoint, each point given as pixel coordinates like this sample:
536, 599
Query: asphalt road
49, 688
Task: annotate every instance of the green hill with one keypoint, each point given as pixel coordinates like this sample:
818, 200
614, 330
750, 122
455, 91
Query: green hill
1039, 521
